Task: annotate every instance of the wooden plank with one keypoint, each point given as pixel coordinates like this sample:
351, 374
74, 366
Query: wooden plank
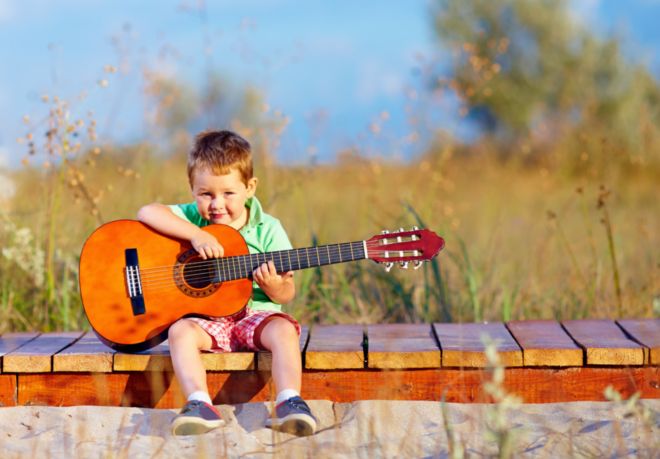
401, 346
265, 358
462, 344
8, 391
646, 332
545, 343
161, 390
11, 341
335, 347
605, 343
87, 354
37, 355
145, 389
158, 359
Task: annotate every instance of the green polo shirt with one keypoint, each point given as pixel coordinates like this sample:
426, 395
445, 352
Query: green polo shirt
262, 233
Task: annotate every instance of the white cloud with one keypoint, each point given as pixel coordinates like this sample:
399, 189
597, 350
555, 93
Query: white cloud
377, 79
584, 11
7, 10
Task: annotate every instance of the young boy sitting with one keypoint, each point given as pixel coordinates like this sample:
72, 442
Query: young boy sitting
222, 184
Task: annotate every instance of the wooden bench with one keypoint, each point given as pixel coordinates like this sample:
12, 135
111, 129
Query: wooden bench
545, 361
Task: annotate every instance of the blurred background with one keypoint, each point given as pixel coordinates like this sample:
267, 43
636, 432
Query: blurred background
526, 133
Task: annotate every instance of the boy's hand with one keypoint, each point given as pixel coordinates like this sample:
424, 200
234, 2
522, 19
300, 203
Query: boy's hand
207, 245
278, 287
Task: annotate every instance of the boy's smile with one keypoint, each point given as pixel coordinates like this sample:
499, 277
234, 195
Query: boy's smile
221, 198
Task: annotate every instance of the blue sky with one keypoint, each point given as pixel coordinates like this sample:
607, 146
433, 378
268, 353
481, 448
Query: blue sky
349, 61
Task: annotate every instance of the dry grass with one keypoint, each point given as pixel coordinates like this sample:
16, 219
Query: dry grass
522, 241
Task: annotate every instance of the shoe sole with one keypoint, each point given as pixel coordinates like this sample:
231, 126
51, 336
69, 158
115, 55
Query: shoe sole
183, 426
296, 424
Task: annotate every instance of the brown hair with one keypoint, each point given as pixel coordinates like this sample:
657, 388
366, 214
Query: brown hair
220, 151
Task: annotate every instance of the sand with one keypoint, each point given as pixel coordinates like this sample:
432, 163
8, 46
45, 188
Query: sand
359, 429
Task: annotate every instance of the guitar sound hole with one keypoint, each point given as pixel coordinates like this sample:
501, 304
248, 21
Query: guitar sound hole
198, 275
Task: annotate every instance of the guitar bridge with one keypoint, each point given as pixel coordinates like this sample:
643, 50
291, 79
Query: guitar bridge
133, 281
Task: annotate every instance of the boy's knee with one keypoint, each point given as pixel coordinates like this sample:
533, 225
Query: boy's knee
181, 329
283, 326
277, 329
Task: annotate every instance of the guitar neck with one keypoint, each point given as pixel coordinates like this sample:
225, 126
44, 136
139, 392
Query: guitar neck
242, 266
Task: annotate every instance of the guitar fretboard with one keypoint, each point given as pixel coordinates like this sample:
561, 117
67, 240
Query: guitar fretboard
241, 267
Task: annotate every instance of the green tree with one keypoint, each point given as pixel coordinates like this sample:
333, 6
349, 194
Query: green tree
526, 71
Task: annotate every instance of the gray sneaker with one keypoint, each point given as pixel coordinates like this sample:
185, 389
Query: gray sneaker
293, 416
196, 418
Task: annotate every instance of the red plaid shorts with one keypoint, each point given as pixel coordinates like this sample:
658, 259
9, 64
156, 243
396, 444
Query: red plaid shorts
236, 332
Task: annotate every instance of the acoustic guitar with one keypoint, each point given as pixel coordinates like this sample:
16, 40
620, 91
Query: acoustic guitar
135, 282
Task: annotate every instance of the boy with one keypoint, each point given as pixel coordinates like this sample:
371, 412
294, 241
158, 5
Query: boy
222, 184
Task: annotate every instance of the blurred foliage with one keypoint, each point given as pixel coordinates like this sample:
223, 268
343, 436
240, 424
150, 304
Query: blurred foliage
540, 82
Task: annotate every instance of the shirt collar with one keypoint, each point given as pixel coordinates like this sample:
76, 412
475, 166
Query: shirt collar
256, 213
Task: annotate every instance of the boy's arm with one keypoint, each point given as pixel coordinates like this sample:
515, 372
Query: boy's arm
161, 218
279, 287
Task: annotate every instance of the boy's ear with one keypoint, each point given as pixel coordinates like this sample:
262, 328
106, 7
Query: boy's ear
252, 186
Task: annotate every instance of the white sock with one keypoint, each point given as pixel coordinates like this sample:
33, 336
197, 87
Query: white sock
286, 394
201, 396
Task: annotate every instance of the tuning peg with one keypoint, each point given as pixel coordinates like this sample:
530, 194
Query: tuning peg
404, 265
388, 266
418, 264
385, 232
401, 230
415, 228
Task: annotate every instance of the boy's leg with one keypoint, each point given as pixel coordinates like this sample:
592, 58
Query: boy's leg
280, 336
186, 340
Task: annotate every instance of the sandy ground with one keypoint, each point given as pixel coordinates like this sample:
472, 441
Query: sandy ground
360, 429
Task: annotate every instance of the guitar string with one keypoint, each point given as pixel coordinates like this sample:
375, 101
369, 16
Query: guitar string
169, 284
331, 247
201, 270
233, 263
203, 273
166, 282
256, 257
375, 248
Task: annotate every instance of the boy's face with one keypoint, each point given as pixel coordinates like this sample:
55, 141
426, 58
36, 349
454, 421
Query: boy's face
221, 198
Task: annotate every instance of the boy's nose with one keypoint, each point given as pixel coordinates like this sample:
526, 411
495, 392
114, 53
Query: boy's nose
216, 203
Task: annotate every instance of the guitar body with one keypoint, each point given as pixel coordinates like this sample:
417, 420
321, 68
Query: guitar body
168, 288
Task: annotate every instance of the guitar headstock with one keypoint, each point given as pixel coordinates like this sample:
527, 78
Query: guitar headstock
416, 245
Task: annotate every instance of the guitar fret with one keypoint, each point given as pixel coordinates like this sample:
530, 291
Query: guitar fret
217, 270
242, 266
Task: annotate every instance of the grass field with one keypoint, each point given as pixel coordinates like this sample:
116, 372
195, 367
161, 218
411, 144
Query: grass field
522, 241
